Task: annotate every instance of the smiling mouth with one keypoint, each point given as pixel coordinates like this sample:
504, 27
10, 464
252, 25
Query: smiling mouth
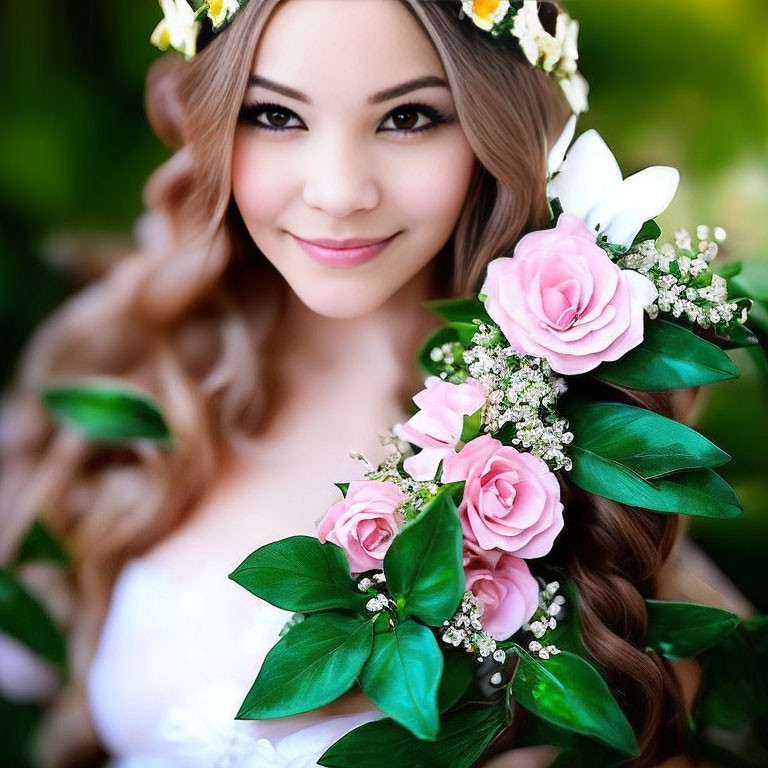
343, 253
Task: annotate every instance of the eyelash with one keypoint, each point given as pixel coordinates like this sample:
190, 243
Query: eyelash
250, 113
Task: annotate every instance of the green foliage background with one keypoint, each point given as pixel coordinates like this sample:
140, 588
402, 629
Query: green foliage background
683, 83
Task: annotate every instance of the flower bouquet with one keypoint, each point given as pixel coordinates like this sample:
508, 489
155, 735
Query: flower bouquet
428, 583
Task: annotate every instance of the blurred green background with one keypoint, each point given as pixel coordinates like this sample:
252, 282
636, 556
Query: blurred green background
683, 83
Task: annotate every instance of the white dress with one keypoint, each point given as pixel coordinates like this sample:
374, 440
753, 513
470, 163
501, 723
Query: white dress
174, 662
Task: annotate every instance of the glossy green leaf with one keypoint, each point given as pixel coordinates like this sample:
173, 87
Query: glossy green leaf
105, 411
464, 736
40, 545
24, 618
621, 452
611, 436
458, 672
682, 630
424, 566
463, 310
315, 663
577, 751
402, 677
670, 357
300, 574
698, 493
649, 231
568, 691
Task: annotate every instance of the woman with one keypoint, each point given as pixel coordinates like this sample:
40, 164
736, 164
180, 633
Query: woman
272, 354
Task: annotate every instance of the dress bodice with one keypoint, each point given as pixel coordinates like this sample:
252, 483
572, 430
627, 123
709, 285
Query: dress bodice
173, 664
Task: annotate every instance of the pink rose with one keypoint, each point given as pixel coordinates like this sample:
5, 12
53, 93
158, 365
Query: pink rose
511, 499
503, 584
438, 425
561, 297
364, 523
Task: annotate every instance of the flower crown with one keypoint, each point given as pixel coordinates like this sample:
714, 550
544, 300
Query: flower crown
188, 25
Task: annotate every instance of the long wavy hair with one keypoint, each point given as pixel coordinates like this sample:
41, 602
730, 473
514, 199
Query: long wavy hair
170, 318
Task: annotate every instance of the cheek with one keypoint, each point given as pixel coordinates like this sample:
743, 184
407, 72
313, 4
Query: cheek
260, 181
431, 188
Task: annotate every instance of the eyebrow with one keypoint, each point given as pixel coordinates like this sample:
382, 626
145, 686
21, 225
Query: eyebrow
428, 81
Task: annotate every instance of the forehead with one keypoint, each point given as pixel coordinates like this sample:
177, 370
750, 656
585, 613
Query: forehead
351, 48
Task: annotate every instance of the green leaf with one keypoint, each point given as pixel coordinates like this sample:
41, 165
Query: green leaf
463, 310
458, 672
735, 681
670, 357
464, 736
616, 438
698, 493
314, 664
424, 566
402, 677
25, 618
649, 231
567, 691
104, 411
621, 452
39, 544
471, 426
682, 630
343, 487
300, 574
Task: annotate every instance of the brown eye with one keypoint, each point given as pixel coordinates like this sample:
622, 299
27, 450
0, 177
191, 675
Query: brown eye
405, 118
276, 117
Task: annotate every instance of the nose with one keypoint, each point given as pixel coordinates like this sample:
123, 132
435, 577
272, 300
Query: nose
340, 180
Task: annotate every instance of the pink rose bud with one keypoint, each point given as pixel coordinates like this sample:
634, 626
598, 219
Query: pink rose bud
438, 425
506, 589
364, 523
511, 500
561, 297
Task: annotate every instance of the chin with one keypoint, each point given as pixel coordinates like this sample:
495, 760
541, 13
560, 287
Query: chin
344, 305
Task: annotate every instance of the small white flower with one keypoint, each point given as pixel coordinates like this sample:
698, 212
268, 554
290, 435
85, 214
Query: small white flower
178, 29
221, 11
540, 48
576, 90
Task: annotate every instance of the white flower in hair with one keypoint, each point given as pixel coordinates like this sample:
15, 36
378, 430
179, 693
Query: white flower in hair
590, 185
178, 29
221, 11
540, 48
485, 13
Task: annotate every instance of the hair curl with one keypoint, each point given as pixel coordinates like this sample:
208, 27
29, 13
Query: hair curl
171, 320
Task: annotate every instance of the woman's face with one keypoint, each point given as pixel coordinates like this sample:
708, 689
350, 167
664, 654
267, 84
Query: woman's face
336, 141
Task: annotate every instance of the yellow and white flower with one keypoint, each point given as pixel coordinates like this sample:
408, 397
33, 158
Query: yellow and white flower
178, 29
221, 11
540, 48
485, 13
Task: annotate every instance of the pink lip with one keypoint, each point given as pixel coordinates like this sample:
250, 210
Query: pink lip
344, 253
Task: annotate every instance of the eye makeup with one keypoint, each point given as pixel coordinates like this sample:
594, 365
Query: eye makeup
250, 114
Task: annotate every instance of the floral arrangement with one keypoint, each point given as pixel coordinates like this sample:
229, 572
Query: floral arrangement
428, 583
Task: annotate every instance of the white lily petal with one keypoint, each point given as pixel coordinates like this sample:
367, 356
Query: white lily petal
590, 175
557, 153
641, 288
637, 199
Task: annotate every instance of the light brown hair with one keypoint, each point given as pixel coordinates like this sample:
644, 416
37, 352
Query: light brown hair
169, 318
